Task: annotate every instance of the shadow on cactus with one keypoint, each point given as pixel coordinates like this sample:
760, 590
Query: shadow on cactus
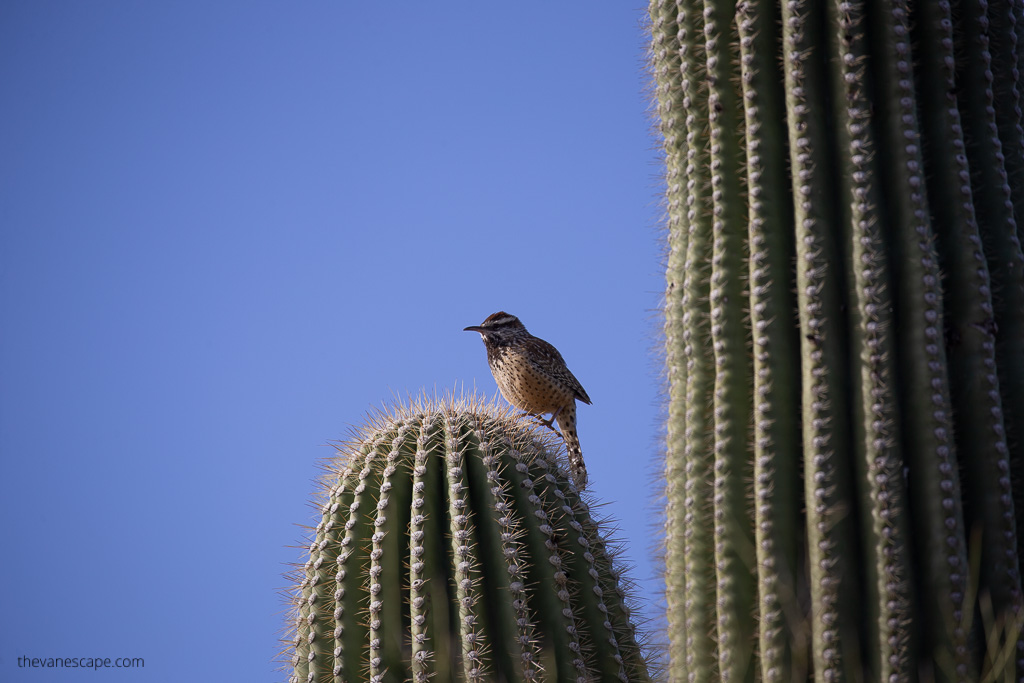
451, 546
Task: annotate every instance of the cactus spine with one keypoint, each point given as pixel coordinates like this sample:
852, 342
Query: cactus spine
844, 322
450, 547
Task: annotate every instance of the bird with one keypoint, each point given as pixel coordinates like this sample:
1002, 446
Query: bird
533, 376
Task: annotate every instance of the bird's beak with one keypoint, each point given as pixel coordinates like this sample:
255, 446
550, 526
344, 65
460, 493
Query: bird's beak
473, 328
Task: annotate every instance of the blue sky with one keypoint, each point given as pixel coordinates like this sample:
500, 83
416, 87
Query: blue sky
228, 230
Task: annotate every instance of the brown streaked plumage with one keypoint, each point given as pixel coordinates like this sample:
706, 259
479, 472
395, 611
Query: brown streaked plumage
532, 376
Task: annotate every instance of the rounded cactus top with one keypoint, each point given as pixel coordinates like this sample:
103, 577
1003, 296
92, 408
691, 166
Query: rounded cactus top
450, 544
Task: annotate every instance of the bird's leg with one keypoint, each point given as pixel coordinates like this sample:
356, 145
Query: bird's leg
550, 423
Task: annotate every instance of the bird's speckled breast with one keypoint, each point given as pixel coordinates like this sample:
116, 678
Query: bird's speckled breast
523, 384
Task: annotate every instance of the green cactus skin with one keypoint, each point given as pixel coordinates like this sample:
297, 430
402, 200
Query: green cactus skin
451, 547
844, 324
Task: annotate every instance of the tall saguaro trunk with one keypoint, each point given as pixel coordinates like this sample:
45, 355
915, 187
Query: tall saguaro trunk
844, 322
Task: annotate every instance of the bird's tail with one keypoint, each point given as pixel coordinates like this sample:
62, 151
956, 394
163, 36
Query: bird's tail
577, 468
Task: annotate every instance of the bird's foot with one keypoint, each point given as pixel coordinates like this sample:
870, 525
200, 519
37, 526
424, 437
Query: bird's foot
549, 423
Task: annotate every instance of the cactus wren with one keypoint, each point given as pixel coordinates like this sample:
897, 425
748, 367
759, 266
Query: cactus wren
533, 377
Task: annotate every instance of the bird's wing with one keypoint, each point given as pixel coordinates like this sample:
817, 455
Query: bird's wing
550, 362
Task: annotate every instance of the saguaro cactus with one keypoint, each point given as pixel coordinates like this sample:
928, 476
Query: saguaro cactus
451, 547
844, 340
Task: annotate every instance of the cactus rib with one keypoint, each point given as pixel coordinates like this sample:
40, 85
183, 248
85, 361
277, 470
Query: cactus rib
776, 429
